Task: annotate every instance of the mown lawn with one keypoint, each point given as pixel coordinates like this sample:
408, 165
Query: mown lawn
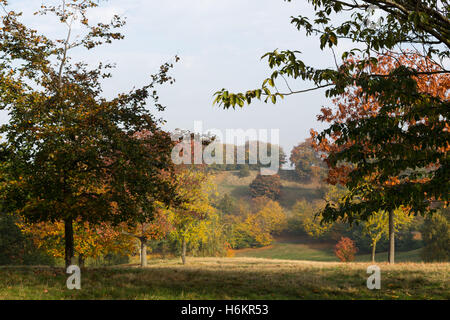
230, 278
317, 252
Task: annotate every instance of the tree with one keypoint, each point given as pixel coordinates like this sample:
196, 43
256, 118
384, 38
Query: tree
436, 236
266, 186
266, 222
345, 250
257, 227
307, 161
410, 129
16, 248
194, 188
244, 172
69, 154
90, 241
377, 226
306, 217
226, 204
375, 172
156, 229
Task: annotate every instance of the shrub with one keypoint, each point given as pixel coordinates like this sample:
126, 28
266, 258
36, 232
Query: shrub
244, 172
345, 250
266, 186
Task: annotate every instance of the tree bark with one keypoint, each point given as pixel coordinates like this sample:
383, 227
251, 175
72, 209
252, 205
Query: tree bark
143, 253
183, 250
374, 248
391, 238
69, 246
81, 260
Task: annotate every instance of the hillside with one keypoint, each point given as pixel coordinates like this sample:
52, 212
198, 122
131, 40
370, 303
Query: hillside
229, 182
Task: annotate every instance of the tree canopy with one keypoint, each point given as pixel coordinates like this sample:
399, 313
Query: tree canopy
70, 154
409, 132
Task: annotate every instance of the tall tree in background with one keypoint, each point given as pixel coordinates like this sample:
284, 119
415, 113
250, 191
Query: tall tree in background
194, 187
69, 154
266, 186
307, 161
410, 129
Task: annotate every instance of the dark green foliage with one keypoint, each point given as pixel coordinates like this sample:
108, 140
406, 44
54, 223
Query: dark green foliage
17, 249
266, 186
436, 236
226, 205
244, 172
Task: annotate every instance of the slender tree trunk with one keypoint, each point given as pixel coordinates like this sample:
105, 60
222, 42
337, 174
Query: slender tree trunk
69, 246
163, 250
391, 238
374, 248
81, 261
183, 250
143, 253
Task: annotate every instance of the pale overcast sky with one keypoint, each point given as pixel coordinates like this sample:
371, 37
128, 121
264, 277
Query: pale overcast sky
220, 44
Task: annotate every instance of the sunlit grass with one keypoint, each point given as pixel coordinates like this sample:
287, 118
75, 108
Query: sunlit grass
231, 278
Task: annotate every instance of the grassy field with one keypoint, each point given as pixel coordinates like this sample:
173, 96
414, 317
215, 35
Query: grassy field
229, 182
230, 278
317, 252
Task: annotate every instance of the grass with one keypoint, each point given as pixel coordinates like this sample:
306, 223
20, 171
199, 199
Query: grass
229, 182
230, 278
290, 251
317, 252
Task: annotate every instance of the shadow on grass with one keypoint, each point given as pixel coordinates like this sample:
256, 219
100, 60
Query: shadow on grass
250, 281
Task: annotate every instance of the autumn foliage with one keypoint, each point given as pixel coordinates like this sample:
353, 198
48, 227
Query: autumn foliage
345, 250
266, 186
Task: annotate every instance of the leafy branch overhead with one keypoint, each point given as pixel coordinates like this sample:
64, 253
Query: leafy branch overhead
391, 89
405, 23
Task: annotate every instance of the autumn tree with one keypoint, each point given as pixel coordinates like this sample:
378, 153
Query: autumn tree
377, 226
375, 172
144, 232
346, 249
90, 241
307, 161
306, 217
194, 187
410, 129
70, 154
257, 223
266, 186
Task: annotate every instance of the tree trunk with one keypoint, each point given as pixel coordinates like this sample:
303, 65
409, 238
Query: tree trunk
163, 251
183, 250
391, 238
81, 260
69, 246
374, 248
143, 253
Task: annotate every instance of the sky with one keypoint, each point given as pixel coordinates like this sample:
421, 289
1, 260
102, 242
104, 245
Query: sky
220, 44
